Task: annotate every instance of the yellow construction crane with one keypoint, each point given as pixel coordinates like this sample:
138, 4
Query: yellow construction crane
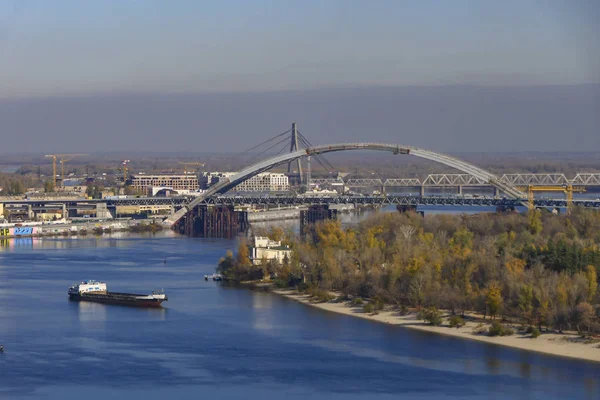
185, 164
63, 158
568, 190
125, 162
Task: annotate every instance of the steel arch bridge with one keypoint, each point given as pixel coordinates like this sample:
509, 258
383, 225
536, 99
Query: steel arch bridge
265, 165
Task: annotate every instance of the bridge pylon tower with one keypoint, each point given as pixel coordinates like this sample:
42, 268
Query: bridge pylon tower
293, 148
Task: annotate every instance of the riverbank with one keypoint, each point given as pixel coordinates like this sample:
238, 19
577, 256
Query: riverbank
79, 229
563, 345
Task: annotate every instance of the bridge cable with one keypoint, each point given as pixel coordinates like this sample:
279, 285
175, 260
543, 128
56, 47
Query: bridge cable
320, 159
285, 139
262, 143
307, 142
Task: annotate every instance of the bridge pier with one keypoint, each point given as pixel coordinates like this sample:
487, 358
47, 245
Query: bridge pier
315, 214
460, 190
422, 190
212, 222
503, 209
404, 209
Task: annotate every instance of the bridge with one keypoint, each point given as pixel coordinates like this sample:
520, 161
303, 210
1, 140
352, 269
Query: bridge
464, 180
472, 201
465, 167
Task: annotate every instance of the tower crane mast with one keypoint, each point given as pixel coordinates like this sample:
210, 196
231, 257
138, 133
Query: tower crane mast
63, 158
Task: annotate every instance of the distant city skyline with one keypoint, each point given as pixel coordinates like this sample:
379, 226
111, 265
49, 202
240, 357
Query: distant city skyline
64, 48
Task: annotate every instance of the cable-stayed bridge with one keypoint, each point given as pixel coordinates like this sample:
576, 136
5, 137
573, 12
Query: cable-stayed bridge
508, 190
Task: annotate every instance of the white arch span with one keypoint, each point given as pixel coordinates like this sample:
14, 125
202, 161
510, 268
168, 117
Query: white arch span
262, 166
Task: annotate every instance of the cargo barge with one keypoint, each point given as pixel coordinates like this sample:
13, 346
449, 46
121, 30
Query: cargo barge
96, 291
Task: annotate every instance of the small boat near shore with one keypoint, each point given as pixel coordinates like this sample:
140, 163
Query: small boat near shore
214, 277
96, 291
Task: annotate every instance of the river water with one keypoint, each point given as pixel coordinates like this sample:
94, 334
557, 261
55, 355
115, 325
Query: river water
215, 342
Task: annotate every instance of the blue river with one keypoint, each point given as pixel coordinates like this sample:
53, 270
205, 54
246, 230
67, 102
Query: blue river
215, 342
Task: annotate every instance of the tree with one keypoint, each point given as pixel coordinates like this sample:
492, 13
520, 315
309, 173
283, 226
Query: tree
243, 255
592, 278
583, 315
535, 221
494, 298
48, 186
16, 187
526, 302
226, 265
94, 191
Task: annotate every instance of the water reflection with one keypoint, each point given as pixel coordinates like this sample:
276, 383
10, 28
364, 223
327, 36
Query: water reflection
110, 240
90, 312
261, 314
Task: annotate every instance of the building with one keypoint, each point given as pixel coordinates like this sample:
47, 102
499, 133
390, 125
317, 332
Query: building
208, 179
269, 250
178, 182
263, 182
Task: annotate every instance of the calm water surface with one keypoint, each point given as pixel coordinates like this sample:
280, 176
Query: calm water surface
221, 343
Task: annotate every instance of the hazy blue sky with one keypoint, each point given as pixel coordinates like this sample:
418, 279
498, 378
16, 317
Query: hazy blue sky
55, 48
172, 75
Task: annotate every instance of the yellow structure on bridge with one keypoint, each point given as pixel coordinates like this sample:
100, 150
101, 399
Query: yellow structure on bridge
568, 190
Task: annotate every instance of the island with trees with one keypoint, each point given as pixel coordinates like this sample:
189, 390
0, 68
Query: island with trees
535, 273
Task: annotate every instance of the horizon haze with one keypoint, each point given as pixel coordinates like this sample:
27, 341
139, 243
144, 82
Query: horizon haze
462, 76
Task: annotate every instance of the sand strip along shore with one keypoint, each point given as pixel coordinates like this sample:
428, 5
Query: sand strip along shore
563, 345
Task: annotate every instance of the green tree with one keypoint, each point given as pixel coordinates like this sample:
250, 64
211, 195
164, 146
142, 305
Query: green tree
592, 277
48, 186
526, 302
535, 221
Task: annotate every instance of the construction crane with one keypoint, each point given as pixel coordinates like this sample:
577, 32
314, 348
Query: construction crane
185, 164
568, 190
63, 158
124, 163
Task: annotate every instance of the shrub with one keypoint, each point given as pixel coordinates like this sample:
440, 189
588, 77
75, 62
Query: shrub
320, 295
368, 308
341, 298
403, 310
535, 332
497, 329
431, 315
479, 329
357, 301
378, 304
456, 322
303, 287
281, 284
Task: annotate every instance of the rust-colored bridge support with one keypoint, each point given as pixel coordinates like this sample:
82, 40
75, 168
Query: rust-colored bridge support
315, 214
212, 222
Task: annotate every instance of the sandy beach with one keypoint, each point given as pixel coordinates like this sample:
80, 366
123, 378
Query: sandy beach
564, 345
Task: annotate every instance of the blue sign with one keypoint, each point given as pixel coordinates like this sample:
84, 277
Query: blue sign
23, 231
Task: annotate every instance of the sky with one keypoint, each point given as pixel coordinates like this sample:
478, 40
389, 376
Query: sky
52, 51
